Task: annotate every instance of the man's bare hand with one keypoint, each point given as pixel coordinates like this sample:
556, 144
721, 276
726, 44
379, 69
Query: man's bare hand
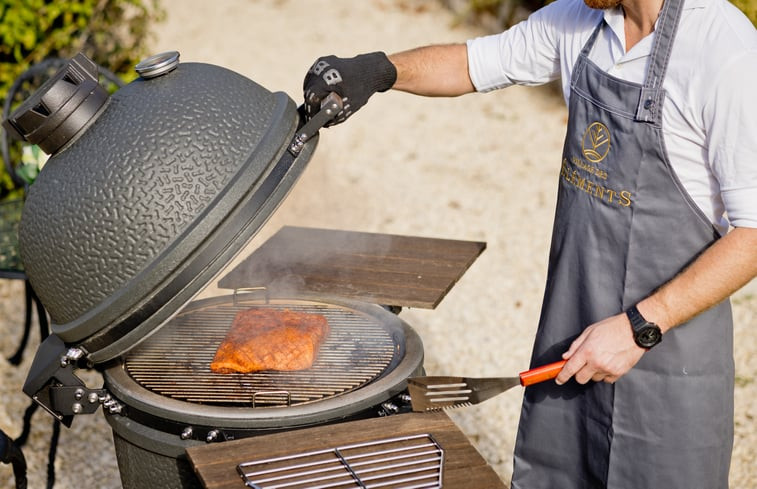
605, 351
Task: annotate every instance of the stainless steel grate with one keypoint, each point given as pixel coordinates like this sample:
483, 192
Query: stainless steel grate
410, 462
175, 362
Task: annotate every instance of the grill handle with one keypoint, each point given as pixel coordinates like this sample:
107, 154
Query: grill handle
236, 300
330, 107
257, 394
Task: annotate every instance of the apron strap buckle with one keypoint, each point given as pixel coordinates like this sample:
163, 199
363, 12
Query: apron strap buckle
650, 105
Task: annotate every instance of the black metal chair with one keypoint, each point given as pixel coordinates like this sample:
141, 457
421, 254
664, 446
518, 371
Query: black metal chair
11, 266
11, 454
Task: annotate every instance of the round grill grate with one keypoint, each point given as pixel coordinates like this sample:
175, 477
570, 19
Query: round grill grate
175, 362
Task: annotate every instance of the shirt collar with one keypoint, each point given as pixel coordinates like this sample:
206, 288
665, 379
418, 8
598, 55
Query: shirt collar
617, 12
615, 20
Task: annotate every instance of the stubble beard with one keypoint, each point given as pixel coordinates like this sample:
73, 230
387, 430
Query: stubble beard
602, 4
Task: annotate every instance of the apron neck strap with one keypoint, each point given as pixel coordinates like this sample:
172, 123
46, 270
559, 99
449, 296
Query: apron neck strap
652, 93
589, 44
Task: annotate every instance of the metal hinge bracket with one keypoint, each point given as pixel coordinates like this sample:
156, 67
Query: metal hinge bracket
52, 383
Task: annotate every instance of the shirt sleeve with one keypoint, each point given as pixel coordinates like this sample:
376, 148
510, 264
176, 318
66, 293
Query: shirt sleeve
526, 54
506, 59
731, 124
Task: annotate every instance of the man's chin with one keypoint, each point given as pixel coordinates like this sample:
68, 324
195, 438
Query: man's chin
602, 4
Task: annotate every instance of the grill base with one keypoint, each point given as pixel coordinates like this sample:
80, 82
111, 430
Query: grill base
163, 465
152, 457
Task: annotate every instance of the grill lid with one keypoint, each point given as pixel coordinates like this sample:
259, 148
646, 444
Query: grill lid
153, 192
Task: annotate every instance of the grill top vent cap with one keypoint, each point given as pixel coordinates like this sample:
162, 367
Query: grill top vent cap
55, 115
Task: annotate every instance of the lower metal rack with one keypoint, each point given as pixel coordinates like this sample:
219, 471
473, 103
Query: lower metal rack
408, 462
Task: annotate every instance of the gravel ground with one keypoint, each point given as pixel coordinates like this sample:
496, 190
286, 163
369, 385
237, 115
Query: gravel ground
479, 167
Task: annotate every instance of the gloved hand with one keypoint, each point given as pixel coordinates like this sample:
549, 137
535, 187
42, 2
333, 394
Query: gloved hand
353, 79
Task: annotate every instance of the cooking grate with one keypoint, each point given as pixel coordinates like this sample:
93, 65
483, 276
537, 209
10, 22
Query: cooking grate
175, 362
411, 462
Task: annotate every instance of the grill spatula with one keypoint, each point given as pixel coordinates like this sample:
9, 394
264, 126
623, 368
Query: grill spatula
441, 392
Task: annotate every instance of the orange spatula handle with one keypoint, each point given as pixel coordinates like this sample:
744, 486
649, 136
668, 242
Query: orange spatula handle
540, 374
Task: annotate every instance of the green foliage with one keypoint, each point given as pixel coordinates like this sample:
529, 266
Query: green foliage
496, 14
749, 7
111, 32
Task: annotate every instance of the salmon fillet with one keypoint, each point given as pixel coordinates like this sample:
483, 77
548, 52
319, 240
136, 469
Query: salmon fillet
270, 339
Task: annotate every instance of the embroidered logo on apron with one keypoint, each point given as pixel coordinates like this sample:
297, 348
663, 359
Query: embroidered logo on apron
587, 175
596, 142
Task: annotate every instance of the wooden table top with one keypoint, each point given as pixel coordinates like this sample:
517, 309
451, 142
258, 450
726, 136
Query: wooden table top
463, 467
378, 268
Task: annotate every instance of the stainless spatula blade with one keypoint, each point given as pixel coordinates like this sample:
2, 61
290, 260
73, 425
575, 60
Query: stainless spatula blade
438, 392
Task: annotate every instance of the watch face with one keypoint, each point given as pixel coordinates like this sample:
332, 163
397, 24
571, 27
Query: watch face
648, 336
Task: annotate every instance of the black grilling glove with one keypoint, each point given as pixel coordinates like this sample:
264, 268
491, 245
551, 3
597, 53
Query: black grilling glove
353, 79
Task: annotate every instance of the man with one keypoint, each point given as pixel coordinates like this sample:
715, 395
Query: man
661, 145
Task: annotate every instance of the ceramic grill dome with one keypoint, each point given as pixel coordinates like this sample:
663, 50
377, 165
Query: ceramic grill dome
148, 193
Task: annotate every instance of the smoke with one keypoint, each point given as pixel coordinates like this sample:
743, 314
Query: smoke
298, 261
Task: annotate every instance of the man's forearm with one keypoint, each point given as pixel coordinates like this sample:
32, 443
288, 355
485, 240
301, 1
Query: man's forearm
605, 350
435, 71
721, 270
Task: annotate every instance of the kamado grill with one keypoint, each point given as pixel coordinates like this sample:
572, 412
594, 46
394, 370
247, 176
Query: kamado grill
128, 237
164, 394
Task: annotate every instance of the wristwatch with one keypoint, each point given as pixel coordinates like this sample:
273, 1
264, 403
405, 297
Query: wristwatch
646, 334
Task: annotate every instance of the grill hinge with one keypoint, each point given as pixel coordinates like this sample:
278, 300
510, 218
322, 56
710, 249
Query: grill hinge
52, 383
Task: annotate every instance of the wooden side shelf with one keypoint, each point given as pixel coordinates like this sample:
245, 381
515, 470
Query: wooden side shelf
379, 268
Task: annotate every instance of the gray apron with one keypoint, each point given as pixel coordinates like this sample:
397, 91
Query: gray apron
624, 226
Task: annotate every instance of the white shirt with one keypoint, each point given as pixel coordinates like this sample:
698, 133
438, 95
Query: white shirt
709, 115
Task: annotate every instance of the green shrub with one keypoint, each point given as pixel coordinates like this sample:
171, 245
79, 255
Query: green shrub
749, 7
111, 32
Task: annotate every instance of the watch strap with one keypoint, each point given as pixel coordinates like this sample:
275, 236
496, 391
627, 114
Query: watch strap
637, 320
